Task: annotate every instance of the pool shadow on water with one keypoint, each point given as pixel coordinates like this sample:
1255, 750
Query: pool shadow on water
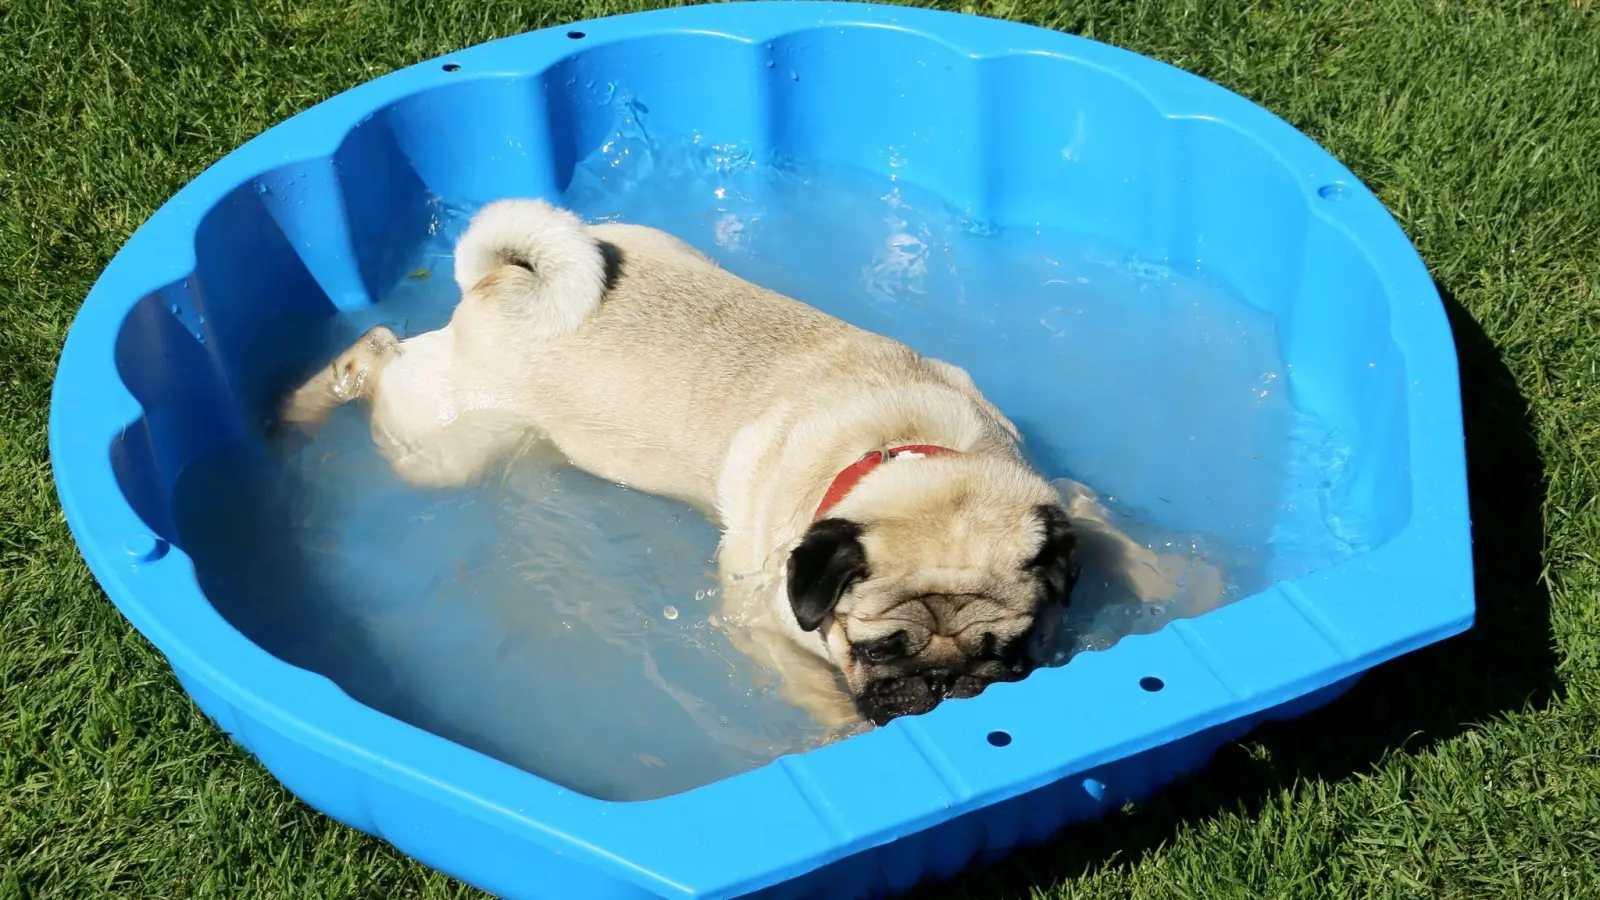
1507, 662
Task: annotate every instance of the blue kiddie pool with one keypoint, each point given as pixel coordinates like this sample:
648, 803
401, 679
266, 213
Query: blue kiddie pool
1181, 300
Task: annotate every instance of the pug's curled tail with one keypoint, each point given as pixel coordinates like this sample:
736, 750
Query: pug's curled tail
539, 264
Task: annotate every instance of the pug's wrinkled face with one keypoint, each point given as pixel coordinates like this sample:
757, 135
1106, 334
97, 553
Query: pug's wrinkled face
918, 605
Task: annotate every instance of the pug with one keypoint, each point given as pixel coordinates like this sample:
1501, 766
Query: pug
885, 546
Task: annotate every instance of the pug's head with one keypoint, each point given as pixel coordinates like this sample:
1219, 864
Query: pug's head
933, 579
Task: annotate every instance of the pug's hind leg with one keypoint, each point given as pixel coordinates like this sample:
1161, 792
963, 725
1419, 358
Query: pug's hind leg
352, 375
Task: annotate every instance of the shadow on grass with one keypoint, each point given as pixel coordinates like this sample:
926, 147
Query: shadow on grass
1505, 663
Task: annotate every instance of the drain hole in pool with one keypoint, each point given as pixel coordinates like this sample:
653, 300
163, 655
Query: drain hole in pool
1000, 738
576, 35
1152, 683
1332, 192
451, 67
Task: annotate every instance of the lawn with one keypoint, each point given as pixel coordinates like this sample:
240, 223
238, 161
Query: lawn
1471, 769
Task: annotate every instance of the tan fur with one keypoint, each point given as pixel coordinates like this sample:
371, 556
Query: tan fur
683, 380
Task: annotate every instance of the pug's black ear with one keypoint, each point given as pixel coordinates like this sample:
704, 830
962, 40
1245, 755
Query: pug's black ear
1056, 563
828, 561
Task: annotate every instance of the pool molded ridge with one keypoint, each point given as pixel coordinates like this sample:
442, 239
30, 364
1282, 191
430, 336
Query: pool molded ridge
919, 798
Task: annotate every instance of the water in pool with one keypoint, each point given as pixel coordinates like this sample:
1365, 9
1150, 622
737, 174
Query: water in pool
566, 626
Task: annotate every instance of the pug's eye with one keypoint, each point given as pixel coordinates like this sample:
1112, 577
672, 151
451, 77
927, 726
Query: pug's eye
880, 652
877, 654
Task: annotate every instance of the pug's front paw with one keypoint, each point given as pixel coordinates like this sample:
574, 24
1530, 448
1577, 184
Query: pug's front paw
847, 730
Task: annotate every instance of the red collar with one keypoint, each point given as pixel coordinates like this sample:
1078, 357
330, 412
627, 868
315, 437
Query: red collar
853, 473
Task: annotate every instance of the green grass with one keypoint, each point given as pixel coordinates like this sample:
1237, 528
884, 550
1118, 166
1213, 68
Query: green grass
1471, 769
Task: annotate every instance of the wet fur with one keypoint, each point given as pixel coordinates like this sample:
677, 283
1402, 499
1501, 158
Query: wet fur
644, 363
